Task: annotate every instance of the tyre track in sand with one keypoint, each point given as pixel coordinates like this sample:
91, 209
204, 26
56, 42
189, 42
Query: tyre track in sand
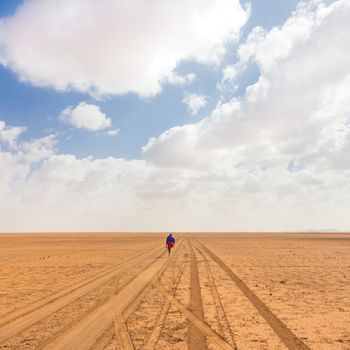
19, 320
110, 333
117, 285
282, 331
85, 333
200, 324
160, 323
196, 339
121, 329
220, 310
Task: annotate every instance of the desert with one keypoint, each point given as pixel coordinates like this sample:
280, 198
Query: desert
174, 175
214, 291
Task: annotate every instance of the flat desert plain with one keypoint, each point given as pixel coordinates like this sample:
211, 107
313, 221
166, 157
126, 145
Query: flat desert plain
215, 291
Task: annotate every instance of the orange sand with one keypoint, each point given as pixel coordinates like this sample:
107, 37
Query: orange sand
240, 291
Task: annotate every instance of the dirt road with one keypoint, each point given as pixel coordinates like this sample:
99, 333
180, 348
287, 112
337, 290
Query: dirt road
193, 299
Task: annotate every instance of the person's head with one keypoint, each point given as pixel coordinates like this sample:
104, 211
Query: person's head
170, 234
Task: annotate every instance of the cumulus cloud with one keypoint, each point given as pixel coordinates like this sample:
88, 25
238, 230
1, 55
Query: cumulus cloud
230, 74
85, 116
266, 48
16, 160
194, 102
298, 101
26, 151
89, 194
275, 159
176, 79
289, 135
113, 132
9, 135
39, 149
115, 47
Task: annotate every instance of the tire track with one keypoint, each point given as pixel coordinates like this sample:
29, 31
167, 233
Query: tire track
107, 336
136, 302
19, 320
201, 325
121, 329
104, 340
282, 331
12, 315
196, 339
217, 300
158, 327
86, 332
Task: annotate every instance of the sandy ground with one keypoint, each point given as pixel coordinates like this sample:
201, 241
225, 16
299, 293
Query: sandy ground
215, 291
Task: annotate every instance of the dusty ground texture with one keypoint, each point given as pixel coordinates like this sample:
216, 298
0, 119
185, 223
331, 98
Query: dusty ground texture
215, 291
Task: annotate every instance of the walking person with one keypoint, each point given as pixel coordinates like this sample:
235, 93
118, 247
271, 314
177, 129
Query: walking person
170, 242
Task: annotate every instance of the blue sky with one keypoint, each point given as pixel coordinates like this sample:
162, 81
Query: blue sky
118, 116
137, 118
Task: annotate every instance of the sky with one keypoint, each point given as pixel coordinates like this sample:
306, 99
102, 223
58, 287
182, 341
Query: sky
211, 115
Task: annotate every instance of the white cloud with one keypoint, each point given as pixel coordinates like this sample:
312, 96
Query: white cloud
285, 144
114, 47
194, 102
298, 97
176, 79
113, 132
30, 152
85, 116
269, 48
9, 135
17, 161
276, 159
266, 48
230, 72
230, 75
89, 194
38, 149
